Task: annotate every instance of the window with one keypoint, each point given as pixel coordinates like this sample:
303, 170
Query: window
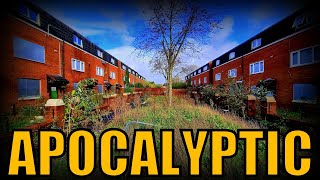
28, 88
124, 67
199, 71
232, 55
100, 71
257, 67
100, 54
133, 81
75, 85
129, 70
29, 13
205, 80
218, 62
218, 76
77, 41
256, 43
112, 61
232, 73
199, 81
195, 82
205, 68
28, 50
302, 20
305, 92
77, 65
112, 75
100, 88
305, 56
194, 73
129, 80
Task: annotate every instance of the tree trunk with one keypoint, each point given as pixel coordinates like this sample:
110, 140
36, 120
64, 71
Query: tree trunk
170, 86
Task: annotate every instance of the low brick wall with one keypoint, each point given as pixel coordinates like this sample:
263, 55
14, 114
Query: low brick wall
160, 91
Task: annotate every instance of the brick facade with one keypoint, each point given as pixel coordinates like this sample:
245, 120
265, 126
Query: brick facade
58, 61
276, 59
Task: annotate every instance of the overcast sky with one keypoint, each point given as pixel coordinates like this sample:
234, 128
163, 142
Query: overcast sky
113, 26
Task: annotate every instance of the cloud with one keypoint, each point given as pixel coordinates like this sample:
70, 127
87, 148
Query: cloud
225, 31
217, 45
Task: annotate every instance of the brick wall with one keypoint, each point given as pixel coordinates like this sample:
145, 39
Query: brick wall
58, 59
276, 59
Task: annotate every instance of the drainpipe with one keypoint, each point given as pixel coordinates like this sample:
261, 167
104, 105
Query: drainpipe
61, 56
242, 76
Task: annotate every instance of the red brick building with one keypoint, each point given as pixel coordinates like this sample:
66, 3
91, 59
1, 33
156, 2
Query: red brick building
286, 54
41, 54
201, 76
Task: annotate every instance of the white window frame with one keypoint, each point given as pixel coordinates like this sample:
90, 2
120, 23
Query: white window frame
99, 71
113, 61
199, 81
255, 43
205, 80
299, 59
76, 43
100, 53
252, 65
217, 62
194, 82
217, 75
232, 55
230, 73
112, 75
74, 66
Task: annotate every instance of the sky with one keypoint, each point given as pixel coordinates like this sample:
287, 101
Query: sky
114, 26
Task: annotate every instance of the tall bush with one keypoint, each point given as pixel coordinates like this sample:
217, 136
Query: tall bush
80, 103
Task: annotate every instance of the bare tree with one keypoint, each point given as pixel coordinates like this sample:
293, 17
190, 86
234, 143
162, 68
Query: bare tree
173, 28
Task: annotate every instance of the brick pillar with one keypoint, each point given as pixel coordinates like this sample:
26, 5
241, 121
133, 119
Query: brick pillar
54, 111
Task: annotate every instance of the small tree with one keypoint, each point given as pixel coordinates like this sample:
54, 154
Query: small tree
173, 28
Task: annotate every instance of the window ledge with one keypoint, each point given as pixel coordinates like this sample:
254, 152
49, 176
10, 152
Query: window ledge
257, 73
29, 98
78, 70
305, 101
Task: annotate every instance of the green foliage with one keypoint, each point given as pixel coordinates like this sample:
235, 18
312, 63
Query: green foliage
235, 94
138, 85
126, 78
208, 94
260, 92
80, 103
128, 89
158, 85
179, 85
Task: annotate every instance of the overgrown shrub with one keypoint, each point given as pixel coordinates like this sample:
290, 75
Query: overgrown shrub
138, 85
208, 93
128, 90
179, 85
81, 103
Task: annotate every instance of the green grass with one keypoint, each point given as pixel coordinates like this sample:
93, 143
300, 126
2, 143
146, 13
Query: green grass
185, 115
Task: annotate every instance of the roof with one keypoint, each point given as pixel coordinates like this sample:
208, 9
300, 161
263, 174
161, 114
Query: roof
273, 33
57, 79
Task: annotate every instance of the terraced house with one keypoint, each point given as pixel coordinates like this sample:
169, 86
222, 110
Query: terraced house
286, 55
42, 54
